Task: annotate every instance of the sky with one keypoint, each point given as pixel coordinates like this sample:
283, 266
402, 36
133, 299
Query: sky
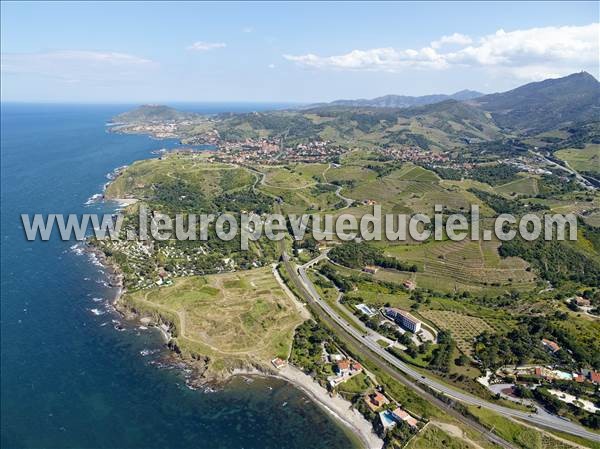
136, 52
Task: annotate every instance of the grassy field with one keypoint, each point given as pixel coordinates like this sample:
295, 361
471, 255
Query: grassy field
587, 159
231, 318
525, 185
520, 435
435, 438
211, 178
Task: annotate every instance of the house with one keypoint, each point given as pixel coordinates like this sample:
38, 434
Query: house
278, 363
550, 345
347, 366
399, 414
342, 367
412, 422
403, 318
402, 415
371, 269
409, 284
376, 400
344, 370
582, 302
594, 377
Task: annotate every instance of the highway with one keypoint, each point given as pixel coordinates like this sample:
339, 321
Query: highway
365, 339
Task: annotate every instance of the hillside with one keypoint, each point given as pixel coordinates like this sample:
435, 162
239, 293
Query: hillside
403, 101
569, 107
549, 104
153, 113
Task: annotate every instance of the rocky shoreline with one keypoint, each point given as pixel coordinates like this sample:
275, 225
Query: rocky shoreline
196, 366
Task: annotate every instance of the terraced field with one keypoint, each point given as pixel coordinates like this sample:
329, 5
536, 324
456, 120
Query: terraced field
470, 265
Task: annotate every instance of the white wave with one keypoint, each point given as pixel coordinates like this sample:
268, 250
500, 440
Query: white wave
78, 248
96, 197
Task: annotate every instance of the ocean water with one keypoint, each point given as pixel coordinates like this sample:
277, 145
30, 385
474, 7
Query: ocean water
69, 379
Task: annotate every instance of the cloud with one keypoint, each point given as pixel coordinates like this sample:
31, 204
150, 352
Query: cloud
206, 46
271, 66
247, 30
453, 39
533, 53
77, 65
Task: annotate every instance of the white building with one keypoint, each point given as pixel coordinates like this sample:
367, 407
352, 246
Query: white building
403, 318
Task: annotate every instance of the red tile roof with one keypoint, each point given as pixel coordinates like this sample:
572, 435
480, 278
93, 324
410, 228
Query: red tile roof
343, 364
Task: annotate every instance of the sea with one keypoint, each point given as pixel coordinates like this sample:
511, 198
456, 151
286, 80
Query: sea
73, 373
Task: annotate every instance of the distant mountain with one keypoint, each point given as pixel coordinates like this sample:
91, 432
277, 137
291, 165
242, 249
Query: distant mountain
402, 101
154, 113
549, 104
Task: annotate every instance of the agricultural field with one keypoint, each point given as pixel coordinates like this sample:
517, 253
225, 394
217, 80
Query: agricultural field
301, 188
233, 319
525, 185
464, 328
585, 160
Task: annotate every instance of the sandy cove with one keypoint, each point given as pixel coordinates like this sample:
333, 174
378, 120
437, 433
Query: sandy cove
336, 406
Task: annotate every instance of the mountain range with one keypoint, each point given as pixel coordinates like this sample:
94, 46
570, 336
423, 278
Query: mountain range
568, 106
401, 101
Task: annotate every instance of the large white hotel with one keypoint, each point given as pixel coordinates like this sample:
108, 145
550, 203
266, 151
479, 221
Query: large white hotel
403, 318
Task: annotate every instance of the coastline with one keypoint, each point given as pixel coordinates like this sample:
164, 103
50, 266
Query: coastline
337, 407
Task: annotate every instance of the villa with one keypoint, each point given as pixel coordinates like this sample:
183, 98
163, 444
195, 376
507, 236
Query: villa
376, 400
550, 345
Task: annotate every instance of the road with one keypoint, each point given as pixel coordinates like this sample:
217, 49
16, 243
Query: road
381, 364
543, 420
566, 167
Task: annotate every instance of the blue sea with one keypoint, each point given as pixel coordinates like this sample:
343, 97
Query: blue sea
73, 375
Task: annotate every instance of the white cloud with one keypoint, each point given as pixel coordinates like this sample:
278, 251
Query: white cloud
206, 46
271, 66
453, 39
247, 30
77, 65
534, 53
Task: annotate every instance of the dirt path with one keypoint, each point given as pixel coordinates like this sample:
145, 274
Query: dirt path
456, 432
